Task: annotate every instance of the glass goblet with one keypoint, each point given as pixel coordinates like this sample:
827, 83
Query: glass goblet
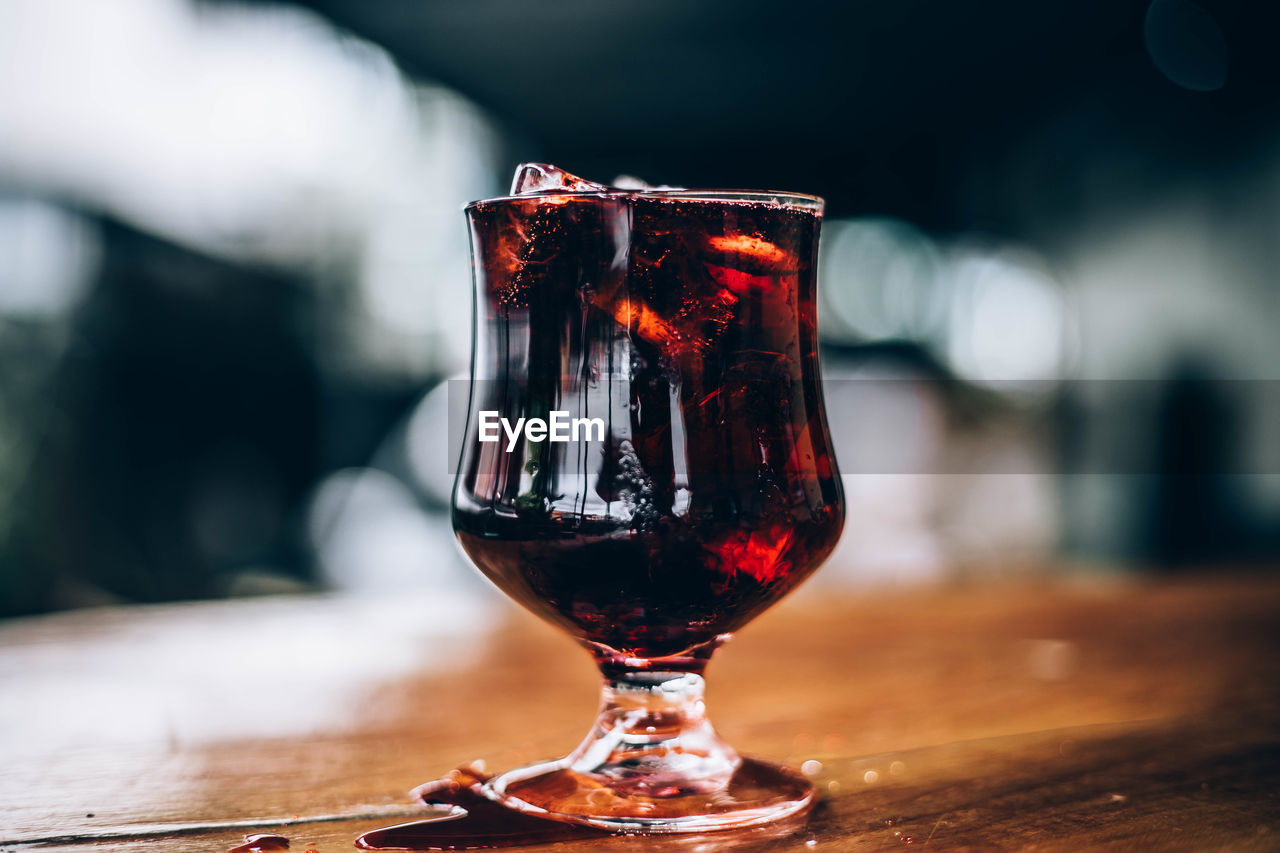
647, 465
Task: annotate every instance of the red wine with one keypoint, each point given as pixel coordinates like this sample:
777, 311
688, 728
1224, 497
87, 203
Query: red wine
687, 327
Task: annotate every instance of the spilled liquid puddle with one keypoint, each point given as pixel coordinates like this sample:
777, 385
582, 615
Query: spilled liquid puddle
469, 820
473, 821
261, 843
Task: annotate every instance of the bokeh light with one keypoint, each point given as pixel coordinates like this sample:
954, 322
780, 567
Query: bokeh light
1007, 317
879, 281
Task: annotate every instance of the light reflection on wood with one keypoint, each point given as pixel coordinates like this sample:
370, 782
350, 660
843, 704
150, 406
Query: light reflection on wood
1153, 708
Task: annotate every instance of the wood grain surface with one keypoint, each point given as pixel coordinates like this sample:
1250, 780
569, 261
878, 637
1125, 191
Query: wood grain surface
1097, 714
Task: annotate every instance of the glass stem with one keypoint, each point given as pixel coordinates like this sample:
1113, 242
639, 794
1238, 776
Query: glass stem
652, 738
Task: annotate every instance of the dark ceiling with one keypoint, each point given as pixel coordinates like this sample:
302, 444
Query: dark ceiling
937, 111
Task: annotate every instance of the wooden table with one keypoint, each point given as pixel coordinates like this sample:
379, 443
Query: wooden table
1051, 716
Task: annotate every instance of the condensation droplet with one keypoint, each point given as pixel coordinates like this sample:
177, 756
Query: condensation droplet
812, 767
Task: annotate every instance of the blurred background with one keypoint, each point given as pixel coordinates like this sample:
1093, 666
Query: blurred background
234, 270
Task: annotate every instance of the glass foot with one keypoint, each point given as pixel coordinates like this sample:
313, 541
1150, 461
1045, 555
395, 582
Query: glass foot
756, 792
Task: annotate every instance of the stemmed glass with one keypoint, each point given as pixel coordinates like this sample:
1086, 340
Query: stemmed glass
681, 481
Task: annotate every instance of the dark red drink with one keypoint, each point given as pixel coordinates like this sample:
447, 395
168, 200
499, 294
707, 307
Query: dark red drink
685, 324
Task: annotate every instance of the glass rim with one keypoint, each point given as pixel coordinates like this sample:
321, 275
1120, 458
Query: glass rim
804, 201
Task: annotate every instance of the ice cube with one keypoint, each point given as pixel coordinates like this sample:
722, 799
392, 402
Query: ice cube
631, 182
666, 305
701, 319
543, 177
761, 553
690, 330
752, 253
742, 263
648, 324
